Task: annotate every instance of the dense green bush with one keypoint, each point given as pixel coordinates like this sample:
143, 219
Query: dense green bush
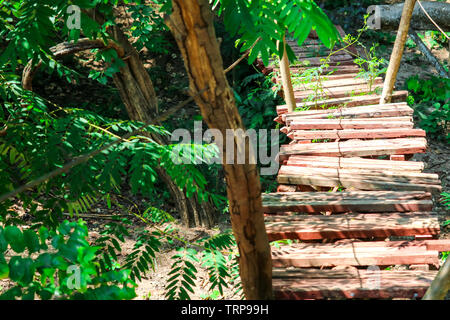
431, 102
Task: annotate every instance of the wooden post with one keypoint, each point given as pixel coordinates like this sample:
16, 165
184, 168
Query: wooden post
288, 90
397, 52
440, 285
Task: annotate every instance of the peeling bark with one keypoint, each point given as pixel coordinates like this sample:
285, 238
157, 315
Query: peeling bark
192, 26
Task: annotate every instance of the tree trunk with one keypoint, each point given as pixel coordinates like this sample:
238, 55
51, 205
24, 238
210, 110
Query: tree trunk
192, 26
397, 52
440, 285
439, 11
138, 95
285, 71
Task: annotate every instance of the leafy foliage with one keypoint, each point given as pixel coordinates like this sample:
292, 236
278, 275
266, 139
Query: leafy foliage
39, 139
250, 19
215, 256
374, 65
431, 103
58, 264
312, 78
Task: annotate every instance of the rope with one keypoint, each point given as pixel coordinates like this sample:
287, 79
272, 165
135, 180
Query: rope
428, 16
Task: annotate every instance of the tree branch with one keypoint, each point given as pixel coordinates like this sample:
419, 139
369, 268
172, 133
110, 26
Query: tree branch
63, 49
428, 54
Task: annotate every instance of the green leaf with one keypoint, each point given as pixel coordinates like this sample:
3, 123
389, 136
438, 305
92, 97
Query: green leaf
21, 270
15, 238
31, 241
4, 269
3, 242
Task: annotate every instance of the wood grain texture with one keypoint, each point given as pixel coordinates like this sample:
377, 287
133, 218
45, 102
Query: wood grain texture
357, 226
343, 284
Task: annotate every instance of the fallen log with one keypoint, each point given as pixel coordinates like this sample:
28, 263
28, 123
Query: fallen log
439, 11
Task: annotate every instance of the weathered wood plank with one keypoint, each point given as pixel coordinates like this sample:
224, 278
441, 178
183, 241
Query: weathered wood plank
356, 134
354, 201
305, 255
347, 195
364, 123
347, 284
369, 111
336, 92
387, 174
358, 148
362, 205
333, 83
397, 96
349, 163
317, 62
332, 70
316, 227
362, 179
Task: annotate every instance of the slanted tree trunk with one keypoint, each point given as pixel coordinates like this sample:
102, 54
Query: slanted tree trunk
440, 285
285, 71
397, 52
138, 95
192, 26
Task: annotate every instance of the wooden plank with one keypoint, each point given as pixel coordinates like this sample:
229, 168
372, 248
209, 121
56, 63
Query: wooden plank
308, 41
317, 62
316, 227
337, 92
305, 255
332, 70
358, 148
384, 175
320, 55
333, 83
295, 202
346, 195
439, 245
357, 134
361, 205
354, 101
364, 123
313, 48
349, 163
370, 111
359, 179
348, 284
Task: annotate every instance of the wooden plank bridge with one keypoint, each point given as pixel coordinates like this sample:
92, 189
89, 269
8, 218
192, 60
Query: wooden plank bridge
347, 197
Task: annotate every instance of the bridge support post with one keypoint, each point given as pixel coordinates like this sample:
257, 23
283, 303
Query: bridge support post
288, 90
397, 52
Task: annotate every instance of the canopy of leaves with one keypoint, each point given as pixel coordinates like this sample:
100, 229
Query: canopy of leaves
269, 20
